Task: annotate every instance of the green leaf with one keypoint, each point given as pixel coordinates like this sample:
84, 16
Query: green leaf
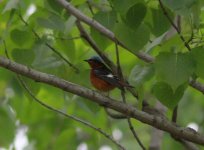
166, 95
87, 105
65, 139
22, 38
140, 73
181, 6
107, 19
160, 23
7, 126
172, 44
133, 39
135, 15
123, 6
53, 22
100, 39
67, 47
78, 2
198, 55
53, 5
174, 69
23, 56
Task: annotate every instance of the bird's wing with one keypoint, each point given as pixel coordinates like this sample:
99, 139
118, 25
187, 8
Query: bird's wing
107, 75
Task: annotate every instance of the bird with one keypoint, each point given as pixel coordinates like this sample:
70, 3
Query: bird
102, 78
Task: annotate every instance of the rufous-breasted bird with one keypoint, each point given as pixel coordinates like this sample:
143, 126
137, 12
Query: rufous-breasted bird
102, 77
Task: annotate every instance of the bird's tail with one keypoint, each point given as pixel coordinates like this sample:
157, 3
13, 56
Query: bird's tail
125, 84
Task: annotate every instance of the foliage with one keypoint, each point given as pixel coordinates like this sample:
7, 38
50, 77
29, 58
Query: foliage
140, 25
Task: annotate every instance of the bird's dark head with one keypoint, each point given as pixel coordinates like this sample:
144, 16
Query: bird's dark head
95, 62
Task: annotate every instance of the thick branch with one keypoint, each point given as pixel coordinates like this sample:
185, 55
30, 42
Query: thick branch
109, 34
126, 109
197, 85
88, 124
157, 135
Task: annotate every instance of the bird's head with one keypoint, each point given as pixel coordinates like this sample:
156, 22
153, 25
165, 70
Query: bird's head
95, 62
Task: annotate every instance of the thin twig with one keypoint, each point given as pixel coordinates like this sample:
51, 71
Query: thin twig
130, 124
49, 46
120, 75
93, 44
60, 112
173, 24
90, 7
109, 34
5, 49
64, 38
174, 115
95, 24
30, 71
70, 116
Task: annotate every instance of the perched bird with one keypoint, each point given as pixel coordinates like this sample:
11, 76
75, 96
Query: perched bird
102, 77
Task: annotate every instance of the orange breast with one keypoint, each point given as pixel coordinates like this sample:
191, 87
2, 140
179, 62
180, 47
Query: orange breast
100, 84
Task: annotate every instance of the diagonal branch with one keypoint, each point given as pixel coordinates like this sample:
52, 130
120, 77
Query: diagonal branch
49, 46
93, 23
93, 96
93, 44
109, 34
88, 124
174, 25
197, 85
120, 75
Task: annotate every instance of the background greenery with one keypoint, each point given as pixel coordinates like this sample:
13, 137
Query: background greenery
140, 25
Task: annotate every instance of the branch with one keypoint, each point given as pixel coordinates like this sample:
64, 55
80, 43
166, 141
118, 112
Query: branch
49, 46
69, 116
94, 96
93, 23
197, 85
120, 75
60, 112
175, 27
157, 135
93, 44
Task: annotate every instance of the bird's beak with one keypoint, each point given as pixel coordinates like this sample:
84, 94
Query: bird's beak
86, 60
